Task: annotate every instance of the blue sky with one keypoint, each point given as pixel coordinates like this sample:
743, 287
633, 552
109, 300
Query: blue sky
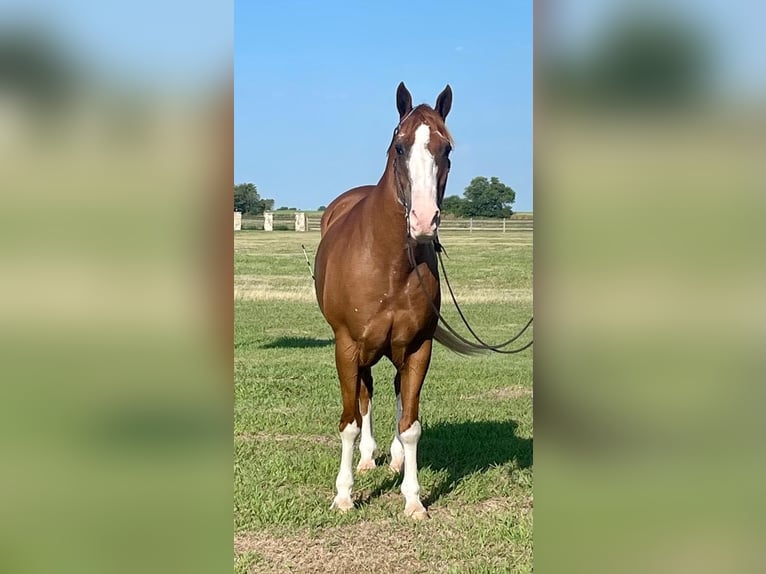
315, 86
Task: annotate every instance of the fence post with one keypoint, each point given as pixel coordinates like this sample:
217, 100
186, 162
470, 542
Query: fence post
503, 224
237, 221
300, 221
470, 225
268, 222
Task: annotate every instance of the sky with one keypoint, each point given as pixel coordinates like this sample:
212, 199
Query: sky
315, 91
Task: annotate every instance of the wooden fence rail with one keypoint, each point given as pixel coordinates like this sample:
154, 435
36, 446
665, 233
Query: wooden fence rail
287, 222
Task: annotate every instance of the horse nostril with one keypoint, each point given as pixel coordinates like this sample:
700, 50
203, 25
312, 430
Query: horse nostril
435, 220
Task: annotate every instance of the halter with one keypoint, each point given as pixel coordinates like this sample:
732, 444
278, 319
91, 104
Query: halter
402, 120
399, 191
400, 196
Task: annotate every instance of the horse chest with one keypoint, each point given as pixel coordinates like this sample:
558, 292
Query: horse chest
389, 324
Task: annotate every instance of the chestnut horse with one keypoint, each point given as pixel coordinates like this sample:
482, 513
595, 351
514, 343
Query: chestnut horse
377, 285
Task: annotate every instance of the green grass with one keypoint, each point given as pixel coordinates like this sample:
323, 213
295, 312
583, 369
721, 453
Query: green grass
475, 454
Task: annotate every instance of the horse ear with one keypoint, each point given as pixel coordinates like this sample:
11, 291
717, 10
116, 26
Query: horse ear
444, 102
403, 100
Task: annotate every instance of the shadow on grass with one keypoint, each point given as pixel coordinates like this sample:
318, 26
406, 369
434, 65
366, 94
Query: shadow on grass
297, 343
461, 449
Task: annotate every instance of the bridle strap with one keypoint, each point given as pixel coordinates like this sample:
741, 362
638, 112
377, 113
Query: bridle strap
401, 121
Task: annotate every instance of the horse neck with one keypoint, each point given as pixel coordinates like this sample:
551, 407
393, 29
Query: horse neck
389, 224
388, 214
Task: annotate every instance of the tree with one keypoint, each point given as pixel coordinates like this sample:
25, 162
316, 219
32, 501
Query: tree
322, 208
487, 198
453, 204
247, 200
245, 197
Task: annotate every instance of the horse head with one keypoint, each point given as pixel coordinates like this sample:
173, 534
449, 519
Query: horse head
419, 155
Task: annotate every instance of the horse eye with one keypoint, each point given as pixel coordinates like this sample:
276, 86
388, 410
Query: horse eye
399, 149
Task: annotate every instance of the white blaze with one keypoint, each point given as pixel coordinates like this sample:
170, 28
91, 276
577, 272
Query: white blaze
422, 169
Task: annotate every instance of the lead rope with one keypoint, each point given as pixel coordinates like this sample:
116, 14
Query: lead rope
462, 316
311, 271
482, 345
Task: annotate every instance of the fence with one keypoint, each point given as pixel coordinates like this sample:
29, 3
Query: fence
486, 224
289, 221
281, 221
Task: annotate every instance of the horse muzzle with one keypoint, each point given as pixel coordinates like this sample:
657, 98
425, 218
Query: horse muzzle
423, 228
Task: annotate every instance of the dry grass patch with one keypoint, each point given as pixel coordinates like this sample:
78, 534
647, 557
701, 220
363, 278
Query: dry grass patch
363, 547
278, 437
503, 393
266, 293
445, 543
274, 288
261, 290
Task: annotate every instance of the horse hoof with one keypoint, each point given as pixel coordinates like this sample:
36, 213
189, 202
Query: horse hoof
342, 504
365, 465
416, 511
396, 465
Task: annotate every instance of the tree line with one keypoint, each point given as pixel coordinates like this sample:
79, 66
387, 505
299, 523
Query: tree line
247, 200
481, 198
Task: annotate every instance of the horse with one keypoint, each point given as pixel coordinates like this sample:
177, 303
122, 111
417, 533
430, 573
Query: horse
377, 285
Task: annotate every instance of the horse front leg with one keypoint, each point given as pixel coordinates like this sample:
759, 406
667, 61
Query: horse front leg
413, 373
397, 450
350, 420
367, 444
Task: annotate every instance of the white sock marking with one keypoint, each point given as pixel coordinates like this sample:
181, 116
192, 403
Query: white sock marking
397, 451
367, 444
345, 479
410, 484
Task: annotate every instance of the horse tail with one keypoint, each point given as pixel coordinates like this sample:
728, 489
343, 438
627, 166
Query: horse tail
454, 344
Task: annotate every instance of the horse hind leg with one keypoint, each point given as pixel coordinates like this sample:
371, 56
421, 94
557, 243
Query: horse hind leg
367, 444
397, 450
350, 420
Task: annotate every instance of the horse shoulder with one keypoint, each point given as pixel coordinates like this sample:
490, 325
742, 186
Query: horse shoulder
342, 204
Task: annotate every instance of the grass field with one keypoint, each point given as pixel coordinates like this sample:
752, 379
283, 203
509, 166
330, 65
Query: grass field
475, 454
